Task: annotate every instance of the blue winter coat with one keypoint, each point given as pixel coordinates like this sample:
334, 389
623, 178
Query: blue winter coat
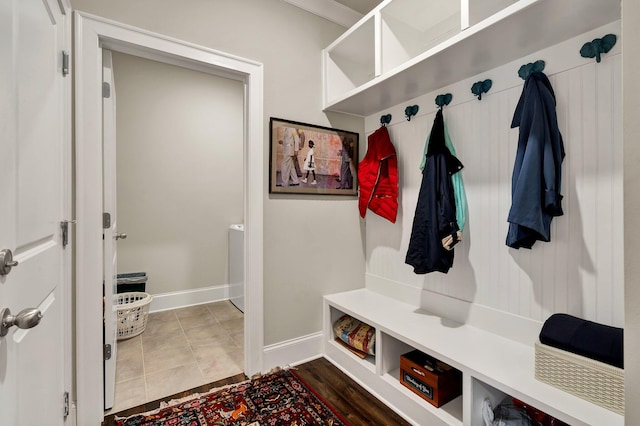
537, 173
435, 216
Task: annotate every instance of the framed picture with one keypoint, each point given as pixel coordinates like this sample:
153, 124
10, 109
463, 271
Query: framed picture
308, 159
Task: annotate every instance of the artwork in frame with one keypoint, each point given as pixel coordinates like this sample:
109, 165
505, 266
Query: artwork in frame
310, 159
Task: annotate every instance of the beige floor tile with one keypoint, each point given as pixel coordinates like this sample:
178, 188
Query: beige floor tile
206, 352
217, 363
161, 327
191, 311
233, 326
167, 382
162, 316
129, 366
206, 334
224, 310
129, 359
197, 321
174, 359
154, 342
165, 359
129, 394
238, 339
129, 346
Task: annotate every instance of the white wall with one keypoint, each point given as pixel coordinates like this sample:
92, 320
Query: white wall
313, 246
581, 270
631, 111
179, 172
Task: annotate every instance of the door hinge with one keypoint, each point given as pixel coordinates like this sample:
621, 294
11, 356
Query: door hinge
65, 63
106, 90
64, 226
106, 220
66, 405
107, 351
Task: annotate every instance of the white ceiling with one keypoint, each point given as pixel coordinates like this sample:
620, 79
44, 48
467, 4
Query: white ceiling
361, 6
342, 12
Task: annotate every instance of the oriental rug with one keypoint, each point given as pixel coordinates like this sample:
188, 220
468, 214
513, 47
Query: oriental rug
280, 398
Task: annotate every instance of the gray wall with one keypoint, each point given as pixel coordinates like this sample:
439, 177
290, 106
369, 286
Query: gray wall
179, 172
313, 246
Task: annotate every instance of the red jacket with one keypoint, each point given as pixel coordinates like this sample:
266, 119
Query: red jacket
378, 177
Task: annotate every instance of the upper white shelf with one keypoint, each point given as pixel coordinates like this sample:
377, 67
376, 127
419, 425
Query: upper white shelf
389, 56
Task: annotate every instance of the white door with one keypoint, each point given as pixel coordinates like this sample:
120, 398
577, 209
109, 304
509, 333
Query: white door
33, 188
110, 229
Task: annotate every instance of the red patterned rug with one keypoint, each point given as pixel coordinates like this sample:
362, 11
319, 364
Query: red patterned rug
277, 399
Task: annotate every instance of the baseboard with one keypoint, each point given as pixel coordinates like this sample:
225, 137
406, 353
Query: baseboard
181, 299
293, 352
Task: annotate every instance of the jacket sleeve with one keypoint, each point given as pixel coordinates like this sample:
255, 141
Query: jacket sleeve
447, 223
552, 158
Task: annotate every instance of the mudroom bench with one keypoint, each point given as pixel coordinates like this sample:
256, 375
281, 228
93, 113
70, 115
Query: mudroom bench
493, 365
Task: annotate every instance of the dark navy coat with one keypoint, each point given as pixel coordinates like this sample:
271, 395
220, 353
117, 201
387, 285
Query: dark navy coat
537, 172
435, 216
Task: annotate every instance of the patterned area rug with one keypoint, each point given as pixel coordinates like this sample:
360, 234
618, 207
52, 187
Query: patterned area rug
281, 398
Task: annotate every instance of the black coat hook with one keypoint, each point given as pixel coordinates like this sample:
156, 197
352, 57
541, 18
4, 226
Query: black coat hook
385, 119
410, 111
445, 99
527, 69
481, 87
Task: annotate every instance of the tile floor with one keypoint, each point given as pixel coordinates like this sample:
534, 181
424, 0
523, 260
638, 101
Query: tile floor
179, 350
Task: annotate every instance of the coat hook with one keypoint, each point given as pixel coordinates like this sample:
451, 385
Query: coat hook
481, 87
527, 69
410, 111
445, 99
594, 48
385, 119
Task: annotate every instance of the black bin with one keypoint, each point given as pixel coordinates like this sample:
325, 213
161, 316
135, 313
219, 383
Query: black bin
133, 281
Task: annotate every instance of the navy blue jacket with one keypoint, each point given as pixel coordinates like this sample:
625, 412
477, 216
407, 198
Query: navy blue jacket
435, 216
537, 173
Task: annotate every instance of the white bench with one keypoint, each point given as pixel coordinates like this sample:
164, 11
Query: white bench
493, 365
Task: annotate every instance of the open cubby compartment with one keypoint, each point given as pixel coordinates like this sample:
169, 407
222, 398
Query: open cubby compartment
369, 362
479, 392
478, 10
411, 27
391, 349
350, 60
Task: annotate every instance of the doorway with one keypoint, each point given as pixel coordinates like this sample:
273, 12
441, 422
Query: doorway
93, 34
179, 171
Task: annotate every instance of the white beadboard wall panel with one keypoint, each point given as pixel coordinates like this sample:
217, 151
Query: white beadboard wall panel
617, 276
580, 270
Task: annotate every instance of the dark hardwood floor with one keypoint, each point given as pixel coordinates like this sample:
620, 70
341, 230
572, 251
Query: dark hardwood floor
355, 404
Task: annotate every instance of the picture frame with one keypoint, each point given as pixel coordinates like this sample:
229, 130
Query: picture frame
318, 160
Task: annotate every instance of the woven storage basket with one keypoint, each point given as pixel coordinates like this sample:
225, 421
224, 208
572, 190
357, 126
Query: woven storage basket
132, 312
595, 381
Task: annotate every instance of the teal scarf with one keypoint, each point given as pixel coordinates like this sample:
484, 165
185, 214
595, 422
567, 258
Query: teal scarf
456, 180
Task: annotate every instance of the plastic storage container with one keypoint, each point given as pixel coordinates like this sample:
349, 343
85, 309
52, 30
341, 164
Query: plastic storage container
134, 281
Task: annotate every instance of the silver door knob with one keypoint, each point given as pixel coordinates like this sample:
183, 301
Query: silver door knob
6, 261
26, 318
122, 236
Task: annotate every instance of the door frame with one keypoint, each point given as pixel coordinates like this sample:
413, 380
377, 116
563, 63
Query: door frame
92, 33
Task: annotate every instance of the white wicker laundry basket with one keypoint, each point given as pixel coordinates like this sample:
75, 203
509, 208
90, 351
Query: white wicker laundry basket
132, 312
595, 381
